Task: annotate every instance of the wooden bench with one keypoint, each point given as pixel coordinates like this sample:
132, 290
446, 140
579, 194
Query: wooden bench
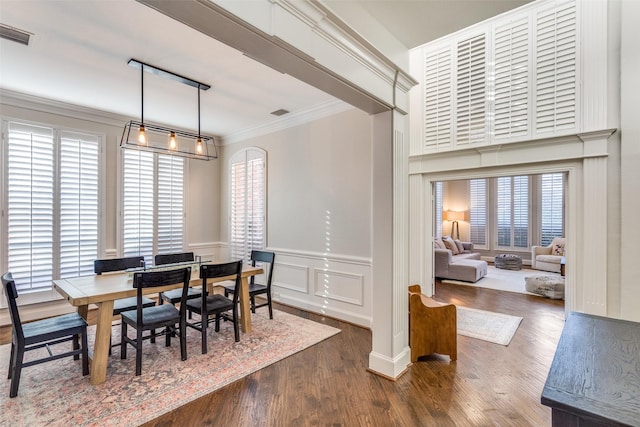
432, 326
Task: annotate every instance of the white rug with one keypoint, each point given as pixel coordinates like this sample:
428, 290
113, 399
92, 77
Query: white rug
486, 325
504, 280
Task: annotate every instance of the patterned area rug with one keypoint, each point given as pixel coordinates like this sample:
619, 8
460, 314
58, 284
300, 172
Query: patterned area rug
486, 325
56, 394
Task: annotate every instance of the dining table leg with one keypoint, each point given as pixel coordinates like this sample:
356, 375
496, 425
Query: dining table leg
102, 343
245, 306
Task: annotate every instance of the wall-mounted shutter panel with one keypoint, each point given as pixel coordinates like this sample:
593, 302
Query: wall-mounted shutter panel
138, 209
438, 96
556, 70
79, 210
438, 208
31, 154
511, 114
170, 204
471, 91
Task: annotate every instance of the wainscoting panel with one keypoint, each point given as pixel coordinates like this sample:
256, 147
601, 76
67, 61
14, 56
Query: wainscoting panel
336, 285
339, 286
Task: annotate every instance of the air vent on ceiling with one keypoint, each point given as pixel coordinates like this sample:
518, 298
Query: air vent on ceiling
280, 112
14, 34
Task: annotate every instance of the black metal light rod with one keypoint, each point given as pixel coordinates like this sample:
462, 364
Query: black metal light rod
167, 74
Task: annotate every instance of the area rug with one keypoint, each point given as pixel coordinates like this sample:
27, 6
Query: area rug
504, 280
486, 325
56, 394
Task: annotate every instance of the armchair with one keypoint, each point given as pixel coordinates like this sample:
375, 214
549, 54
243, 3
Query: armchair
548, 258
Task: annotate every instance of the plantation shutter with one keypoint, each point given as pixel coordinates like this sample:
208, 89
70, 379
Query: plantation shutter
438, 208
513, 212
30, 205
79, 211
170, 204
138, 208
478, 211
437, 93
552, 189
556, 70
248, 203
511, 113
470, 91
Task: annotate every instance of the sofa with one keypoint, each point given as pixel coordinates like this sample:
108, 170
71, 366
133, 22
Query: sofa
547, 258
464, 265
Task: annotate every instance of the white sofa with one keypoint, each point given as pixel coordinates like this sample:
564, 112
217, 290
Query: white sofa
548, 258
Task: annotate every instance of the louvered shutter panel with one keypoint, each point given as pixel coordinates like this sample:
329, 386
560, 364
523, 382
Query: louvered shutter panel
512, 63
170, 204
478, 211
513, 211
138, 204
30, 205
438, 208
79, 214
248, 204
556, 70
470, 91
552, 189
438, 96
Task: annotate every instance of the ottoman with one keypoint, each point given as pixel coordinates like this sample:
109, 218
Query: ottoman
508, 261
547, 286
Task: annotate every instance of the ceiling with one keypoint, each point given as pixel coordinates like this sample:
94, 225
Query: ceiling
79, 51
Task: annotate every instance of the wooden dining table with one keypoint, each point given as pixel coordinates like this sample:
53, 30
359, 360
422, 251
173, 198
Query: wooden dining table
103, 290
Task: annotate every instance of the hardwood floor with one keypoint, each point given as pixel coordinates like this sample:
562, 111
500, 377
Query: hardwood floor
329, 385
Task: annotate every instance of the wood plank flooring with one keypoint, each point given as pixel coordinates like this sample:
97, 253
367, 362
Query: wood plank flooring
329, 385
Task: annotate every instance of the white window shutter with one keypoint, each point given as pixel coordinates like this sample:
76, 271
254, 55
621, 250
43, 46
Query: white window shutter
170, 230
138, 204
556, 70
512, 79
248, 203
471, 91
79, 211
478, 211
513, 211
552, 195
30, 205
438, 98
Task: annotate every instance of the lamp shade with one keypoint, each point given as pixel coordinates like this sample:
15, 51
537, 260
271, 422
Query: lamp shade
455, 215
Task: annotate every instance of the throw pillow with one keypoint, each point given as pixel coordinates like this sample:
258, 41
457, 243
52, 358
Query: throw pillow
459, 245
558, 249
451, 245
440, 244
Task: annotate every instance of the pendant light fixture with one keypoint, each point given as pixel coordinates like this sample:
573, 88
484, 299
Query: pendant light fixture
152, 137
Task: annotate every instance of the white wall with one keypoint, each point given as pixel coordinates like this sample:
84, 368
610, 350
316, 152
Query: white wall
318, 214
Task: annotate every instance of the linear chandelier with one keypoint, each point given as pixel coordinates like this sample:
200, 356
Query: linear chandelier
150, 137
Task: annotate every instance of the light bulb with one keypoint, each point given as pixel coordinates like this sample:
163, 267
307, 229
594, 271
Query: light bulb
199, 147
173, 145
142, 137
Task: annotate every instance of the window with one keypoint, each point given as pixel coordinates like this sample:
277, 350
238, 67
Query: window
152, 204
478, 211
552, 201
247, 220
51, 204
438, 208
513, 211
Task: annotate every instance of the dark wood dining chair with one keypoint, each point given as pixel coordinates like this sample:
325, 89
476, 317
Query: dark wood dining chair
263, 257
39, 334
121, 264
173, 297
159, 316
216, 305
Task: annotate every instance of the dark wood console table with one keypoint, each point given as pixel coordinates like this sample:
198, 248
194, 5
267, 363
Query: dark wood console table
594, 378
